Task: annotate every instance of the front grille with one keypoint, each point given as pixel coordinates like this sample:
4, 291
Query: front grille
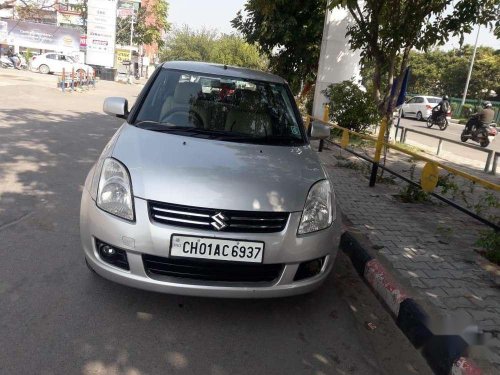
210, 270
218, 220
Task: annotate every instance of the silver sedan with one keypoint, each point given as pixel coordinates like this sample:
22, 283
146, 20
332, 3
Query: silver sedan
211, 188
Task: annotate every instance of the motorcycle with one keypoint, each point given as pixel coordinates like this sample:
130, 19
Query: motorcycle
6, 63
437, 119
483, 134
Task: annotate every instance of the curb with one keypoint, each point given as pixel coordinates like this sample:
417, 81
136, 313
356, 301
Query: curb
446, 355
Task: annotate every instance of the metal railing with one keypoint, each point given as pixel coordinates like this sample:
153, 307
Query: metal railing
489, 158
380, 143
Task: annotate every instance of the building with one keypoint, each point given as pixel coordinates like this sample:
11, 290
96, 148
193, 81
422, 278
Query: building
38, 28
69, 14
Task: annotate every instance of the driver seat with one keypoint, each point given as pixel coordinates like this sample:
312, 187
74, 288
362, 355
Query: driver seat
185, 97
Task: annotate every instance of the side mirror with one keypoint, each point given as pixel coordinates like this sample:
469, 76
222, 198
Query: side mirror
319, 131
116, 106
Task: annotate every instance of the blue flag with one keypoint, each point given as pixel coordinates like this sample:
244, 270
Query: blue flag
402, 93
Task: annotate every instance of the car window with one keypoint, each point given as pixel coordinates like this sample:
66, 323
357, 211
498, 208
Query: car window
220, 107
433, 100
411, 101
419, 100
52, 57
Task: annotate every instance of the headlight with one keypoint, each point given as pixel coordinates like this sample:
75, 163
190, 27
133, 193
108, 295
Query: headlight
319, 210
114, 194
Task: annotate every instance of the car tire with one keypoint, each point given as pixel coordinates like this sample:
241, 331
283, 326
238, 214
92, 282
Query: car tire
44, 69
419, 116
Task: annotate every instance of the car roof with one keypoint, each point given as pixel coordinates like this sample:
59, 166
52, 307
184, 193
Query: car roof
223, 70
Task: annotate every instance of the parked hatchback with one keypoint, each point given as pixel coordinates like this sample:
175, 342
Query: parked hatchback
210, 191
420, 107
55, 63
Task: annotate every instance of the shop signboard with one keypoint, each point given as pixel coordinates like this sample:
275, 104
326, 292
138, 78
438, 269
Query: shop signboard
101, 32
39, 36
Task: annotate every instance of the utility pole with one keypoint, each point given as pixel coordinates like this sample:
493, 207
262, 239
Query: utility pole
131, 33
470, 69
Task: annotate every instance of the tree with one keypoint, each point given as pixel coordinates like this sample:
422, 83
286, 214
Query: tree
210, 46
438, 72
350, 107
385, 31
288, 32
7, 4
150, 24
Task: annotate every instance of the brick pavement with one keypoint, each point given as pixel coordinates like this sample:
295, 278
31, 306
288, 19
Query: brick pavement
429, 247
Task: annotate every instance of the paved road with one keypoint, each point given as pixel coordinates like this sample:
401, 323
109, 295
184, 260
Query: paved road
56, 317
453, 152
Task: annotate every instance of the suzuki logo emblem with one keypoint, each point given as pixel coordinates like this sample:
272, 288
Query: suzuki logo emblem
219, 221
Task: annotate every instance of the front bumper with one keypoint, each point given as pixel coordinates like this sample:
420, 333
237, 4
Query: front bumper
146, 237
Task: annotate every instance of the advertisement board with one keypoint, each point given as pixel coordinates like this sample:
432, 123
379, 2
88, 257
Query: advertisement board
101, 32
39, 36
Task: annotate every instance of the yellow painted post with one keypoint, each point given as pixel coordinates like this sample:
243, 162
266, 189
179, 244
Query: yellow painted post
326, 113
345, 139
378, 150
326, 117
308, 123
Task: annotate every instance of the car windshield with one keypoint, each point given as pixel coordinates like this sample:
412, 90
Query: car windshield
221, 107
433, 100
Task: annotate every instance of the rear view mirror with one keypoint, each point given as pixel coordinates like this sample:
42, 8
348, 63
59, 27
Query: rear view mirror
116, 106
319, 131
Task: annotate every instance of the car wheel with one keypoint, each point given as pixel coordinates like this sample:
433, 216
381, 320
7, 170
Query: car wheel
419, 116
44, 69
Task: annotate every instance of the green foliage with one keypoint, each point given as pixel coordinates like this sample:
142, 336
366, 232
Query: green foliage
386, 31
467, 110
210, 46
350, 107
411, 193
490, 242
150, 24
288, 32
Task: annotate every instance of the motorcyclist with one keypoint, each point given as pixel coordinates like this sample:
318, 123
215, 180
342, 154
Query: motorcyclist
483, 118
442, 108
13, 57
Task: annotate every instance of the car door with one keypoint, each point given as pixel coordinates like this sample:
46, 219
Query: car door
52, 62
419, 106
408, 108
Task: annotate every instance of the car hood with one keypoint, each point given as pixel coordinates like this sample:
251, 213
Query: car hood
217, 174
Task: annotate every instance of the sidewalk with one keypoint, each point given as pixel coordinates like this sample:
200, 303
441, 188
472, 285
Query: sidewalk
428, 248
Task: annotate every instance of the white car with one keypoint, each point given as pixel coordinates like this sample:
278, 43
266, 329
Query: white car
420, 107
55, 63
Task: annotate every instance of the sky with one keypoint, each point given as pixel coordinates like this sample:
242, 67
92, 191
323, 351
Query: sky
217, 14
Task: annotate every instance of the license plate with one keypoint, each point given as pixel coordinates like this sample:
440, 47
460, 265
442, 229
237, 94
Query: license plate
216, 249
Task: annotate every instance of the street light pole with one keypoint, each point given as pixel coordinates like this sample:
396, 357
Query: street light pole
131, 33
470, 69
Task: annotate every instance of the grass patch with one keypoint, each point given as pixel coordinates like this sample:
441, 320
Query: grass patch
490, 242
410, 148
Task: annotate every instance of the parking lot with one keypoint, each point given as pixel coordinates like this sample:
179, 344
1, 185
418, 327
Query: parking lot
57, 317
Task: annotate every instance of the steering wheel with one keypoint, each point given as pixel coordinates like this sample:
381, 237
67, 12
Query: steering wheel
189, 113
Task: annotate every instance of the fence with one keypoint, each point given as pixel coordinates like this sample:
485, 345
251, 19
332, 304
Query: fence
457, 110
429, 179
489, 167
76, 82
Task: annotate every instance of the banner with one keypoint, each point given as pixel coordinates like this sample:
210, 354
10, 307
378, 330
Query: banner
39, 36
101, 32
